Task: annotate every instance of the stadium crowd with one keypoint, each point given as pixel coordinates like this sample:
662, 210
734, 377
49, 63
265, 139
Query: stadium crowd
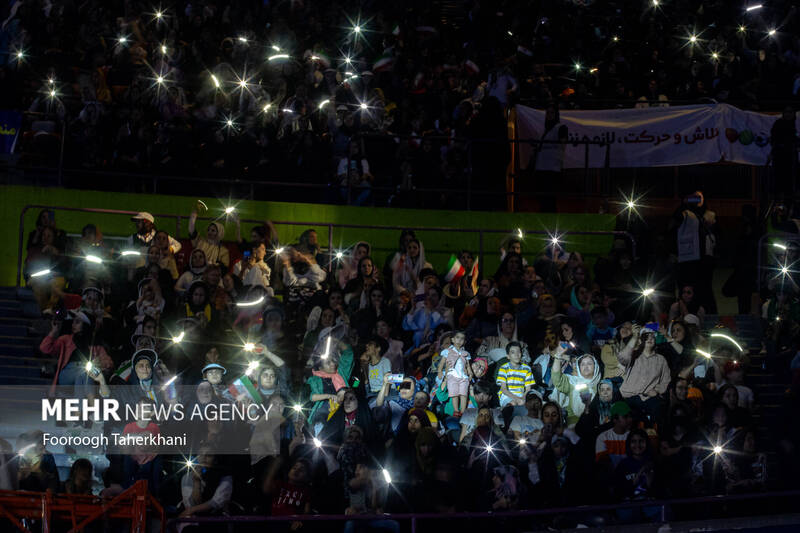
395, 386
354, 95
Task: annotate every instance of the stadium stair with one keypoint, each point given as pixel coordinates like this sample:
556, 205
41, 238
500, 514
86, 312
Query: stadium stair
768, 388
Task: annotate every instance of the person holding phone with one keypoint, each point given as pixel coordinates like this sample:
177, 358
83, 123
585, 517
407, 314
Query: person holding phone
74, 350
574, 391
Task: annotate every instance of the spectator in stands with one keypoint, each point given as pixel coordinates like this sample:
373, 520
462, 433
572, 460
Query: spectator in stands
610, 444
686, 304
80, 478
576, 391
207, 486
612, 367
647, 376
74, 350
211, 244
44, 259
494, 346
197, 265
37, 467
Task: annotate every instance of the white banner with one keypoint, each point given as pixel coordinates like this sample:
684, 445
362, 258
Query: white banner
654, 136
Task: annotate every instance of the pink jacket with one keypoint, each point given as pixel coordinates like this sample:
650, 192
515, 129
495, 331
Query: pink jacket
64, 347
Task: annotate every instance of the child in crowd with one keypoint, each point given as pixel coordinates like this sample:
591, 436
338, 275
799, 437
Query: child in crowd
458, 370
515, 379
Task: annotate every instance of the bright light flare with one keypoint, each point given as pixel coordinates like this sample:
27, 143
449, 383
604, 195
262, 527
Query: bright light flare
40, 273
656, 3
523, 442
279, 251
714, 55
339, 255
243, 40
169, 382
215, 80
387, 476
779, 246
267, 108
278, 56
363, 106
704, 354
520, 234
297, 408
729, 339
252, 303
94, 259
718, 449
178, 338
163, 49
229, 210
742, 28
648, 291
356, 29
249, 346
251, 367
323, 104
122, 39
693, 39
317, 442
327, 348
753, 7
88, 366
581, 386
126, 253
772, 32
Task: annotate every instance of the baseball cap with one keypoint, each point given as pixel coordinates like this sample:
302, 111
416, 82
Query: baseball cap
144, 215
620, 408
209, 366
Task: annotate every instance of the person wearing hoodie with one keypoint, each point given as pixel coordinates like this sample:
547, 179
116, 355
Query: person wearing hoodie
211, 244
572, 390
197, 265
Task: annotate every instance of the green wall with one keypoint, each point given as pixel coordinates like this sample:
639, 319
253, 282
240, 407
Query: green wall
438, 244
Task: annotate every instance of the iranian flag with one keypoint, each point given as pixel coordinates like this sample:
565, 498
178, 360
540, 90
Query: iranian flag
383, 63
124, 371
244, 387
455, 270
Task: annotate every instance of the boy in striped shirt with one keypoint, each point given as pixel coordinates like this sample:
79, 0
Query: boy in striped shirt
514, 378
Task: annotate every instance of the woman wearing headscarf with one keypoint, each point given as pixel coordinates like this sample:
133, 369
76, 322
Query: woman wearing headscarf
391, 261
331, 373
198, 306
143, 380
596, 416
149, 303
509, 278
408, 266
494, 347
197, 265
351, 412
575, 391
211, 244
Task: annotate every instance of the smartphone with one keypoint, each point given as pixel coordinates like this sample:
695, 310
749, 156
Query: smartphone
94, 371
586, 395
246, 254
396, 378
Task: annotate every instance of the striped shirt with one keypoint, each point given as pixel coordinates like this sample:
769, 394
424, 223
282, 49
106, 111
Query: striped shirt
515, 379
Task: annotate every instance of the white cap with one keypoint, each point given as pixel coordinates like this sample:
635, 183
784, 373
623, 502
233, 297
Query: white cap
144, 215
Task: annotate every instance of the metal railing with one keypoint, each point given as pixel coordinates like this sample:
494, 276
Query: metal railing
664, 506
329, 225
